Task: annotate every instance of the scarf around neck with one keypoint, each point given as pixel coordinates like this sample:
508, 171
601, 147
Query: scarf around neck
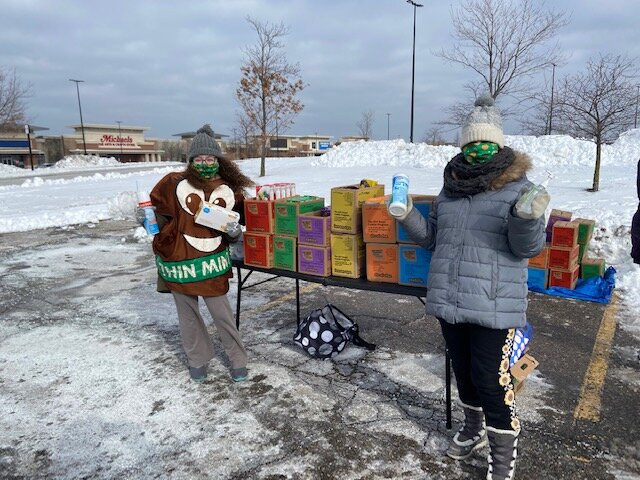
462, 179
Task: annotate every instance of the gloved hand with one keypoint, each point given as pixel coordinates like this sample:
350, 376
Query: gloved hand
140, 215
404, 215
233, 229
533, 203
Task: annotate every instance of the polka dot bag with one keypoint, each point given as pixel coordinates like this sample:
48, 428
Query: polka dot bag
326, 332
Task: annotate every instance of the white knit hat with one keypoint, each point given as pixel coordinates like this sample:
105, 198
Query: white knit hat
483, 124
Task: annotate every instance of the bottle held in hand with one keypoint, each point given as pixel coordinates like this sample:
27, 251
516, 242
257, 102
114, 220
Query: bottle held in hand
150, 222
527, 207
399, 195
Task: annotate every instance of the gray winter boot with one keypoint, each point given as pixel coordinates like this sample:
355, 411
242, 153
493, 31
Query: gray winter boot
471, 436
502, 454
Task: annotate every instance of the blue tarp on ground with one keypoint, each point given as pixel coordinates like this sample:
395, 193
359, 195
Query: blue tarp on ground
596, 289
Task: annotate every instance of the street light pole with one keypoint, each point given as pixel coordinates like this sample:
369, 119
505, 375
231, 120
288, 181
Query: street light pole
553, 81
84, 142
388, 115
277, 138
413, 66
119, 139
635, 119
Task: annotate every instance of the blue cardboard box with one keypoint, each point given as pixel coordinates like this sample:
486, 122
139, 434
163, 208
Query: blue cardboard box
414, 262
538, 278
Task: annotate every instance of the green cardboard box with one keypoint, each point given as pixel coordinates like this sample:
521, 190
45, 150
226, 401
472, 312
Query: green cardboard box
284, 252
585, 230
288, 209
592, 267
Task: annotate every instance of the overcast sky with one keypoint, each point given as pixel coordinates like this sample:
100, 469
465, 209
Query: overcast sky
172, 66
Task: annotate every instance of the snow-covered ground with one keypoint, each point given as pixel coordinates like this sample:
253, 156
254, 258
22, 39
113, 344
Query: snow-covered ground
42, 202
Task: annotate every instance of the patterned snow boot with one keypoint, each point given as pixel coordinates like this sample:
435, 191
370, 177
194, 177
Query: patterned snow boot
502, 454
471, 436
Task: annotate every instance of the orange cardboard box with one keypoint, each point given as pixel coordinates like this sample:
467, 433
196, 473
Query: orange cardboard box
541, 260
258, 249
259, 215
564, 278
563, 258
564, 234
382, 262
555, 216
377, 225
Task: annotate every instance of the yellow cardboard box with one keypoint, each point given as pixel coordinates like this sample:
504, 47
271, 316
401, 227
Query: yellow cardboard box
347, 255
346, 206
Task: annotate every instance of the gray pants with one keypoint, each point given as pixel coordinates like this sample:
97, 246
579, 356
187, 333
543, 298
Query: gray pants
195, 338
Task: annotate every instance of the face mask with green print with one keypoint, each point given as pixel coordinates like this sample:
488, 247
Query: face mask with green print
206, 170
478, 153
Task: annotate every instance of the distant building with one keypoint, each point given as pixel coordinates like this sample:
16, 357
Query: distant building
14, 149
352, 138
297, 145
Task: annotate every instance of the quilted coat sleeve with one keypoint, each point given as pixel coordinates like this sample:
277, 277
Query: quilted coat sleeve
526, 237
422, 230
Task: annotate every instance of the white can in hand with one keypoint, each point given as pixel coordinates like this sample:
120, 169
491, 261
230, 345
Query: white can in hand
399, 194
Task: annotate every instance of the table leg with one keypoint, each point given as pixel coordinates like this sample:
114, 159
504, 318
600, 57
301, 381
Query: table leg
298, 300
238, 299
448, 386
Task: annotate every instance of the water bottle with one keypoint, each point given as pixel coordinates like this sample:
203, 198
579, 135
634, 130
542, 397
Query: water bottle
399, 195
150, 223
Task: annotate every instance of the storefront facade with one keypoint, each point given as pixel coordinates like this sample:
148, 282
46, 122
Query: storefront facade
14, 150
124, 142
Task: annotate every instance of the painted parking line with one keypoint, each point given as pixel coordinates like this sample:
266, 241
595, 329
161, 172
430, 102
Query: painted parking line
589, 403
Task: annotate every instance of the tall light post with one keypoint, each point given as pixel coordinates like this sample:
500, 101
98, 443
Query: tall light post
277, 138
84, 142
388, 115
635, 119
413, 65
119, 139
553, 81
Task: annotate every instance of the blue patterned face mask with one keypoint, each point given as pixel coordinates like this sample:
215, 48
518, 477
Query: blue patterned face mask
478, 153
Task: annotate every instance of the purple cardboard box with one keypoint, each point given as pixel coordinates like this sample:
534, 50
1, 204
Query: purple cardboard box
314, 228
314, 260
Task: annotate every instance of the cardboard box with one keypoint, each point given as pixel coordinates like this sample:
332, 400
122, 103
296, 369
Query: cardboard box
347, 255
377, 225
521, 370
563, 258
554, 216
346, 206
541, 260
285, 252
564, 278
314, 260
592, 267
538, 278
288, 209
414, 263
314, 228
382, 262
582, 251
258, 249
259, 215
585, 229
423, 203
564, 234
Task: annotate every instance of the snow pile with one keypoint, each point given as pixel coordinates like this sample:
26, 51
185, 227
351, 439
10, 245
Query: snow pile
10, 170
76, 161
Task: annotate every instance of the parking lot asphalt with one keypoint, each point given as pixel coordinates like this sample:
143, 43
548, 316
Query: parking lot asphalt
365, 416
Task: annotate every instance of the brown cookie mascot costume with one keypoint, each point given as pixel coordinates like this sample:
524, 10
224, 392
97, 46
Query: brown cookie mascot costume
193, 260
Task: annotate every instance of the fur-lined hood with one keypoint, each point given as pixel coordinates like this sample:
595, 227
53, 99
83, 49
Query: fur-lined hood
520, 166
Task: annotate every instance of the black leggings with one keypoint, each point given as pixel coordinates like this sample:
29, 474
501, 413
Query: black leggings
480, 359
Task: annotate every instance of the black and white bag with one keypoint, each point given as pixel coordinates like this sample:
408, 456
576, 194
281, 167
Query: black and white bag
326, 331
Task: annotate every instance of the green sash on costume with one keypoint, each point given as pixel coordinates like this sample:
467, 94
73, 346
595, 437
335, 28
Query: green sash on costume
196, 270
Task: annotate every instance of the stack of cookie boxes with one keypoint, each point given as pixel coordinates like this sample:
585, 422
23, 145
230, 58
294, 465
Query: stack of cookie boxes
564, 258
270, 240
390, 254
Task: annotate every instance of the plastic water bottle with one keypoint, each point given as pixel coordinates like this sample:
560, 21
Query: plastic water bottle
150, 223
399, 195
525, 203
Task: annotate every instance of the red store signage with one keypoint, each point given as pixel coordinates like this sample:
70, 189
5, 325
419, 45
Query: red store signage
116, 140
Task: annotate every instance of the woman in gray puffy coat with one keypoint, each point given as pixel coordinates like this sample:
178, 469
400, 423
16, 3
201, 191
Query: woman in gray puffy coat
477, 284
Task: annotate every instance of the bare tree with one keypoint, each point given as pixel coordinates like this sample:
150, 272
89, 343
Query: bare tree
13, 94
269, 84
598, 103
505, 43
246, 133
365, 124
434, 136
